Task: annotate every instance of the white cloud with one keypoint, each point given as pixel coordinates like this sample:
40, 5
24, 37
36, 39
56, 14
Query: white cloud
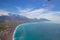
32, 13
49, 6
24, 10
41, 13
3, 12
52, 17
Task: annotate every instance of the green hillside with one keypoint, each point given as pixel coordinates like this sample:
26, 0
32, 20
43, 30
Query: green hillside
1, 26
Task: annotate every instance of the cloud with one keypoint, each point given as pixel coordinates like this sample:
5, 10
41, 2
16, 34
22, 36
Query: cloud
32, 13
49, 6
41, 13
51, 16
3, 12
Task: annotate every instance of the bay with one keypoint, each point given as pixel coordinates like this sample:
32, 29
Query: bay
37, 31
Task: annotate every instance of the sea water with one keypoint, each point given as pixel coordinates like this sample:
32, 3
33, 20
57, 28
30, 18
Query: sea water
37, 31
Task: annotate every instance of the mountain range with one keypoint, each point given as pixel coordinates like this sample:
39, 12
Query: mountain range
14, 17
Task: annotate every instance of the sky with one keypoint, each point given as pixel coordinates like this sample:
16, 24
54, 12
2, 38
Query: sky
32, 8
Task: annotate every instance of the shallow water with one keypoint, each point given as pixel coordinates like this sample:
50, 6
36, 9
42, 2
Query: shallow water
37, 31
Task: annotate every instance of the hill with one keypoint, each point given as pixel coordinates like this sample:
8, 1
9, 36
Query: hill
15, 18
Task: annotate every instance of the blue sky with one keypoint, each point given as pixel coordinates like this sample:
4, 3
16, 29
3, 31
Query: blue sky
12, 4
32, 8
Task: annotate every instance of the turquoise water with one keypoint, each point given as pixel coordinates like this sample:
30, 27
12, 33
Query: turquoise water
37, 31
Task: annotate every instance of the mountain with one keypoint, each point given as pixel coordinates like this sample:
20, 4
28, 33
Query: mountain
14, 18
3, 18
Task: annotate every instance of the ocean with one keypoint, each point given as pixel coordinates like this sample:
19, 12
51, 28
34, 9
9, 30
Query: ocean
37, 31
